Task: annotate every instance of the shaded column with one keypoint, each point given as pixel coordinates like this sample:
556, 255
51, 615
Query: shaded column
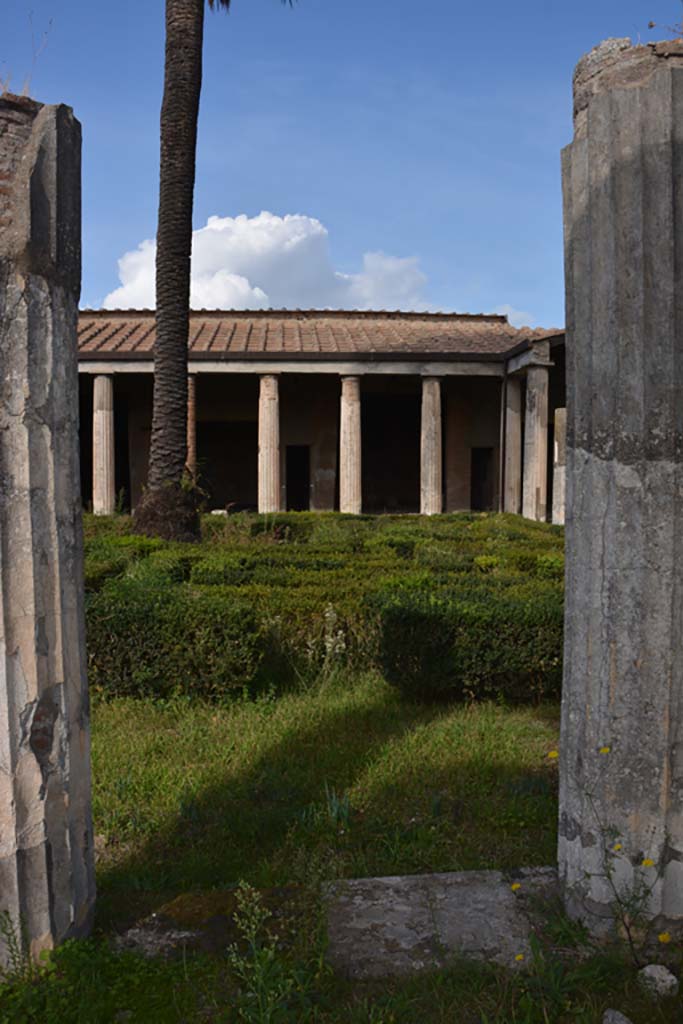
350, 461
621, 768
192, 425
269, 444
535, 483
46, 842
431, 453
559, 462
512, 497
103, 480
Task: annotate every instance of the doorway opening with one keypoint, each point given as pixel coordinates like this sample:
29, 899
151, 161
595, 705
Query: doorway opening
298, 477
482, 480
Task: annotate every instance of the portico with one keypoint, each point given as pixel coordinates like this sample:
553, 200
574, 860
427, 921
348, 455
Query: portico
428, 420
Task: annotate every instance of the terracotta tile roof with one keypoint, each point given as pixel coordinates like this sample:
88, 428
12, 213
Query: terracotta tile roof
322, 334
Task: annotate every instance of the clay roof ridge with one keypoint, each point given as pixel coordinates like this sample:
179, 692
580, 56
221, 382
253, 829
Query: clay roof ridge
294, 314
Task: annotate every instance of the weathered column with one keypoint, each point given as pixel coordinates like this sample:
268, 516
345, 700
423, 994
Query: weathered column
512, 501
192, 425
621, 769
535, 485
350, 464
103, 485
559, 463
46, 848
269, 444
431, 455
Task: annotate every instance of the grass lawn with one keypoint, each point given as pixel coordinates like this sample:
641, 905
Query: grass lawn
346, 775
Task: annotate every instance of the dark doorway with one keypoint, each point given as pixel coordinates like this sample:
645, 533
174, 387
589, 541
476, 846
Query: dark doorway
482, 479
391, 453
298, 469
228, 460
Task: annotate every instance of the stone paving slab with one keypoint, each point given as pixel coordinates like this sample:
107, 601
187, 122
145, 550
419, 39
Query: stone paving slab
379, 927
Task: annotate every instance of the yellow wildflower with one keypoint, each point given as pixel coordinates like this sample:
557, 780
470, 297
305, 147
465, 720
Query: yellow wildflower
605, 750
515, 886
553, 754
648, 863
520, 956
616, 847
664, 937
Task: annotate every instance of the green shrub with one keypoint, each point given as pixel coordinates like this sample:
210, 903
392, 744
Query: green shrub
449, 645
160, 640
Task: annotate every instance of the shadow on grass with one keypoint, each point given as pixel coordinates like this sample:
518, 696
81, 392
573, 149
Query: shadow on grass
380, 788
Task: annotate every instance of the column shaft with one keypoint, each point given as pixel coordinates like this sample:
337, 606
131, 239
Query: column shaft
350, 463
535, 488
269, 445
559, 461
47, 883
621, 765
431, 453
103, 482
512, 501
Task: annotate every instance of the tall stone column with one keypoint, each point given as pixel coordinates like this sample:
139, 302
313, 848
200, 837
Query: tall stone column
103, 485
46, 848
535, 484
192, 425
431, 451
269, 444
621, 768
512, 499
559, 465
350, 464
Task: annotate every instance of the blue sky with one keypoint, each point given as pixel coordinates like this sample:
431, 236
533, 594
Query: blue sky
425, 133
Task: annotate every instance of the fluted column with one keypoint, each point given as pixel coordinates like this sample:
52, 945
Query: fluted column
269, 444
192, 425
350, 461
621, 764
535, 485
431, 452
559, 464
512, 501
103, 483
47, 882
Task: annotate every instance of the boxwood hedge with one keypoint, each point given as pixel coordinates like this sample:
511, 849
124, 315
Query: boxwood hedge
451, 607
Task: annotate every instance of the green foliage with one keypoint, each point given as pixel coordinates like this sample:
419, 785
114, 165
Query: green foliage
472, 643
273, 990
456, 606
146, 636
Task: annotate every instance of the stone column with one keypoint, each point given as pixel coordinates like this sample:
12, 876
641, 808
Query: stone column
512, 499
621, 768
431, 454
350, 464
559, 462
535, 484
192, 425
269, 444
103, 486
46, 842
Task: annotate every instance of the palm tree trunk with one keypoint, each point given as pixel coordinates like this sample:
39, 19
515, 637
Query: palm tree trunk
179, 113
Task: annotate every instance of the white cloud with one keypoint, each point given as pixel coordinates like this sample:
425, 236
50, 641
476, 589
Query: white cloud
517, 317
272, 262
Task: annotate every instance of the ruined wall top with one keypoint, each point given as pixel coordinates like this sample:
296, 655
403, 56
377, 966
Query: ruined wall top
616, 63
40, 190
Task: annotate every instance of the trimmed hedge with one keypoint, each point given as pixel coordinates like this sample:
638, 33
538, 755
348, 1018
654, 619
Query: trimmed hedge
455, 645
450, 607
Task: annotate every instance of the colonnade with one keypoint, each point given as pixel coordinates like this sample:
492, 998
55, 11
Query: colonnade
525, 492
